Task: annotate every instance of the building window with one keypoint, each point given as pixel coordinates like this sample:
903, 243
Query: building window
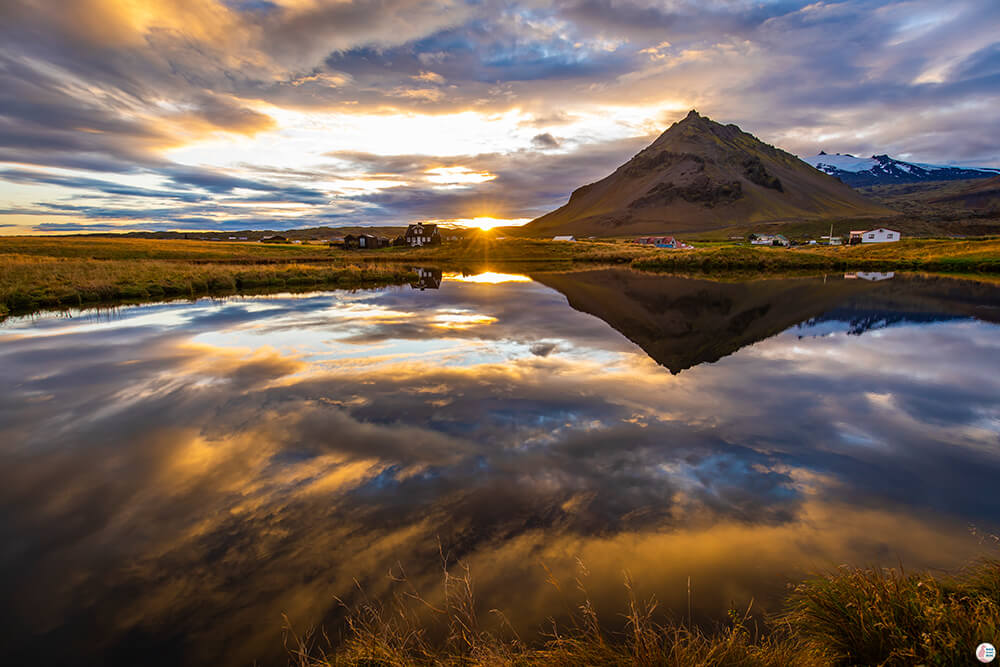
871, 236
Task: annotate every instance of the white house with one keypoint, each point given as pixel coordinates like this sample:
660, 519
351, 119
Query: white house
421, 235
769, 239
563, 238
880, 235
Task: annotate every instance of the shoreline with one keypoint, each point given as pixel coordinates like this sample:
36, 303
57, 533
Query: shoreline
37, 273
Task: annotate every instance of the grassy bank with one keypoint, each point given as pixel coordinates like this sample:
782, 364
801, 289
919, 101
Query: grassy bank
850, 617
44, 272
29, 283
941, 255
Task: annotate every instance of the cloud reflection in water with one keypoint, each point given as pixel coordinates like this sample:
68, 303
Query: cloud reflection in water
181, 474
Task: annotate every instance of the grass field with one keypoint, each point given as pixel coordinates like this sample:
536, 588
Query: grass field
942, 255
45, 272
849, 617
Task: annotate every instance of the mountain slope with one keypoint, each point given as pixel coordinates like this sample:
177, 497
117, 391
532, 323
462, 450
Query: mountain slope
983, 195
701, 175
884, 170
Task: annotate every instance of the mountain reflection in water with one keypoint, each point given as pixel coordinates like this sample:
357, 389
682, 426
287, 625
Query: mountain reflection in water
175, 477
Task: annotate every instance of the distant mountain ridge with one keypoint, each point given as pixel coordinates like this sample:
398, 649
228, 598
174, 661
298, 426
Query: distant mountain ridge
700, 175
884, 170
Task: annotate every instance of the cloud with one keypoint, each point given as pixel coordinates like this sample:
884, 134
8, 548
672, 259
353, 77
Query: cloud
545, 140
105, 89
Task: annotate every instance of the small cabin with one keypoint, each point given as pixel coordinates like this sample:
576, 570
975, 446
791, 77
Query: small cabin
422, 234
274, 239
564, 238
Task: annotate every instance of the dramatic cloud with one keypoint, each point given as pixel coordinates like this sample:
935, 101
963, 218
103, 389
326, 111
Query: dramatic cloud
265, 92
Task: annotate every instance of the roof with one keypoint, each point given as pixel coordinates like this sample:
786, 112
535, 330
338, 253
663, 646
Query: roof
428, 228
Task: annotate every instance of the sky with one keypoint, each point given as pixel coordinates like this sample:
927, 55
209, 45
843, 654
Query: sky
120, 115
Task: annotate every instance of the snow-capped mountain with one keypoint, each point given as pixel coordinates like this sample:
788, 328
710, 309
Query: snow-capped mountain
884, 170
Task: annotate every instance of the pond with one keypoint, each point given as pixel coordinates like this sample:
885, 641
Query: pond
174, 477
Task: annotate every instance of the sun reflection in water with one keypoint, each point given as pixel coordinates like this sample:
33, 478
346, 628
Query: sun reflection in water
490, 277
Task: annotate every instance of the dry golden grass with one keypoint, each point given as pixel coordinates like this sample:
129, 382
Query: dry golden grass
29, 282
849, 617
41, 272
972, 256
86, 247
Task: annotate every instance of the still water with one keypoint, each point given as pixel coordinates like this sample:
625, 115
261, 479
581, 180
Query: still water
175, 477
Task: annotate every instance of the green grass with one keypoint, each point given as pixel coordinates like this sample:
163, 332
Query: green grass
850, 617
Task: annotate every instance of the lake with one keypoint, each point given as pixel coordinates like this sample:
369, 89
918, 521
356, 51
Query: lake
174, 477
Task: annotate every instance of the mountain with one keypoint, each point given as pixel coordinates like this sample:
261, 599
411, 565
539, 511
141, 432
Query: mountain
701, 175
884, 170
982, 195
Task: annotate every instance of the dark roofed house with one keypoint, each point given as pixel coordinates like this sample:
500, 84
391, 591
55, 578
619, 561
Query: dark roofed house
365, 242
277, 238
420, 235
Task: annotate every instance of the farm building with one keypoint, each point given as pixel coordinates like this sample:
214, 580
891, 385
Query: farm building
663, 242
769, 239
364, 242
564, 238
274, 239
420, 235
880, 235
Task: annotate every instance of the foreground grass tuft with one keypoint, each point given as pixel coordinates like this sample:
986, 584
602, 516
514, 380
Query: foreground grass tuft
850, 617
876, 617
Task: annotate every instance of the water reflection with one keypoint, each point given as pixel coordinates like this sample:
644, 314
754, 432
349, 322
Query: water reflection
174, 478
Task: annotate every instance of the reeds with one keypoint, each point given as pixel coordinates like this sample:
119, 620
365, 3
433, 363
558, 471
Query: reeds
849, 617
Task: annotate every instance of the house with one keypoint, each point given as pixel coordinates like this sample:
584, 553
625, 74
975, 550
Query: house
426, 278
769, 239
274, 239
663, 242
880, 235
364, 242
564, 238
421, 234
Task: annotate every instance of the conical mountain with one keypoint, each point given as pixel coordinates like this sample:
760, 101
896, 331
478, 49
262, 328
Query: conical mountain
701, 175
